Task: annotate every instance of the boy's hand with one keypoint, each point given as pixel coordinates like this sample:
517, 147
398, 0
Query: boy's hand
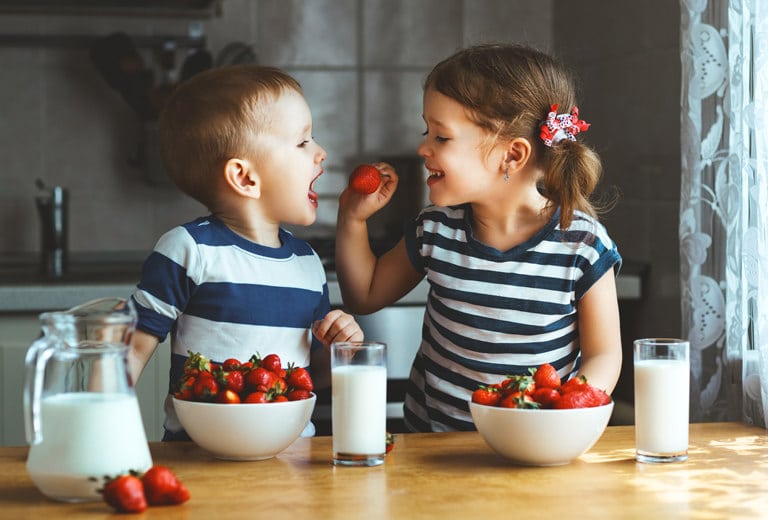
337, 326
360, 206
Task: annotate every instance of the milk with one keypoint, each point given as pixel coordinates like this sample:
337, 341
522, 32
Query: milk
359, 409
86, 434
661, 406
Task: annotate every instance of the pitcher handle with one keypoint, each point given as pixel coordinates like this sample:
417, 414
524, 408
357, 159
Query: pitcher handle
37, 357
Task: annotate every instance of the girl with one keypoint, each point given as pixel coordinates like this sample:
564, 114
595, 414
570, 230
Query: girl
521, 273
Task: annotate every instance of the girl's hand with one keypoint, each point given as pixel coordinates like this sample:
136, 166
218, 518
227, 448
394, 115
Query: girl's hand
361, 207
337, 325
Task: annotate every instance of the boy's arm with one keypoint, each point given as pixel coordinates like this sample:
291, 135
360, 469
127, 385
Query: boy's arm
337, 325
142, 348
599, 334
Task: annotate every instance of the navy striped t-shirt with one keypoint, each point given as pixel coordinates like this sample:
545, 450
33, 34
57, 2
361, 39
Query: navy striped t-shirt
223, 296
491, 313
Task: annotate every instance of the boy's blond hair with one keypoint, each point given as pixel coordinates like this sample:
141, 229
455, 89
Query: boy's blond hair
214, 117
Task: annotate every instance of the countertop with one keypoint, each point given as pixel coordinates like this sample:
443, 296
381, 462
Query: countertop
445, 475
99, 275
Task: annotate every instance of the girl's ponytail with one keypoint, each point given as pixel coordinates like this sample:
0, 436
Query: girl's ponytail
572, 171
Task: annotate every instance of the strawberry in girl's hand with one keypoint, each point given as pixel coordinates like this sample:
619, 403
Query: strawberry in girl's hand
161, 487
125, 493
365, 179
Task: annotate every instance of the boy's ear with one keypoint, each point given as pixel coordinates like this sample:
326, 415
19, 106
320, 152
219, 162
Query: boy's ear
518, 152
241, 176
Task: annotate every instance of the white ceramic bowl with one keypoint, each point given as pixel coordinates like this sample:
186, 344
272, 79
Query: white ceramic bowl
244, 431
540, 437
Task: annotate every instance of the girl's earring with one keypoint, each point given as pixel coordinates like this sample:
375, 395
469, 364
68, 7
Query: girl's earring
506, 174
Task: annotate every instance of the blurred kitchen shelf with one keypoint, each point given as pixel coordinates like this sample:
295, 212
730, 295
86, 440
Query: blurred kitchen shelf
136, 8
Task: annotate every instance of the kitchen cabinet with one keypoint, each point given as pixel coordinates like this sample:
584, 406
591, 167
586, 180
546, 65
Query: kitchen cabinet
18, 331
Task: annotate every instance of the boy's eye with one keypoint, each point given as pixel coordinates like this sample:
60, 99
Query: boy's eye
303, 143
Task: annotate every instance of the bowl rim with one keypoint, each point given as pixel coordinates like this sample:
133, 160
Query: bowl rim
312, 397
540, 410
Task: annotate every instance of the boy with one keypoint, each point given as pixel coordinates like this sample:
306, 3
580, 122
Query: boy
233, 283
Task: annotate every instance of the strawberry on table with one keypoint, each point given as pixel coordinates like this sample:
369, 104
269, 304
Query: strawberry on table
125, 493
365, 179
162, 487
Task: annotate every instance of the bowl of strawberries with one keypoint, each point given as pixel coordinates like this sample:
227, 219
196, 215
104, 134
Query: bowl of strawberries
243, 410
537, 420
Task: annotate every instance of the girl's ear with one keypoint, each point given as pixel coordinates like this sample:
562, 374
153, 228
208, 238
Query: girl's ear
518, 152
241, 176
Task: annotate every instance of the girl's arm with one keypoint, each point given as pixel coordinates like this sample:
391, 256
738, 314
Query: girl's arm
599, 334
369, 283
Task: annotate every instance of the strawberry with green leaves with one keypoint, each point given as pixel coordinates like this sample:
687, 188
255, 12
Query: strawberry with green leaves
298, 378
487, 395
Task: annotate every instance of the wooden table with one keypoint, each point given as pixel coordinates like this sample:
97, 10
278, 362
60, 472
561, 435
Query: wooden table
445, 475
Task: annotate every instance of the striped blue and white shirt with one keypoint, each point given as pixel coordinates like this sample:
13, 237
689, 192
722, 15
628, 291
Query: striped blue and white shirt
224, 296
491, 313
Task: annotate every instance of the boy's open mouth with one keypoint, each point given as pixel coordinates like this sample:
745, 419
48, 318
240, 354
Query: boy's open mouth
311, 193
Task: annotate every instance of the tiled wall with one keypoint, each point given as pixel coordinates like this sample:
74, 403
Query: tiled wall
361, 63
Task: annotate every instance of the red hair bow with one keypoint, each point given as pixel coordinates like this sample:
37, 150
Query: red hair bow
562, 126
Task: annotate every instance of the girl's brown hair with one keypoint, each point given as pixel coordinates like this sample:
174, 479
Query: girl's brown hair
213, 117
508, 90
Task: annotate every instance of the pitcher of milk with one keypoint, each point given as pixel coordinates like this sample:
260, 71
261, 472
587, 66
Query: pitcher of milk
81, 413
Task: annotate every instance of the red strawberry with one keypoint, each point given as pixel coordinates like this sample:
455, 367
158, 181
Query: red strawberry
390, 442
546, 397
256, 397
546, 376
572, 384
298, 395
232, 380
487, 395
231, 364
163, 488
518, 400
272, 363
261, 379
196, 363
365, 179
125, 493
587, 396
185, 388
206, 387
298, 378
228, 396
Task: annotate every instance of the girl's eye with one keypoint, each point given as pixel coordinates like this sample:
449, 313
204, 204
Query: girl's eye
437, 137
303, 144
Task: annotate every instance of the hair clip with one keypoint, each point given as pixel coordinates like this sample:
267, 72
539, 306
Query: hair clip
562, 126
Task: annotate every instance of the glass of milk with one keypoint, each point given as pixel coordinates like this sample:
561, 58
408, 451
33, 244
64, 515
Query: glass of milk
359, 402
662, 380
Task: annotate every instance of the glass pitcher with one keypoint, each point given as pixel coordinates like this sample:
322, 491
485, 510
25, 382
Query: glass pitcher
81, 414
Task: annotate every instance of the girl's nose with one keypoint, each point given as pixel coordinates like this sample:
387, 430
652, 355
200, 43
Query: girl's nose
422, 149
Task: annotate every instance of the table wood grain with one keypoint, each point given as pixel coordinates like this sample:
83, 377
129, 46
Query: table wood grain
445, 475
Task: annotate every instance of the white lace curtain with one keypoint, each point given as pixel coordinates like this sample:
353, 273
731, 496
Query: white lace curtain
724, 206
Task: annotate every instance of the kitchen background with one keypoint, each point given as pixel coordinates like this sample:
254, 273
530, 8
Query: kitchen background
361, 63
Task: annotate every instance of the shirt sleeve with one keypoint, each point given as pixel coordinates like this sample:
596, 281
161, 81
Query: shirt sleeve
167, 282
